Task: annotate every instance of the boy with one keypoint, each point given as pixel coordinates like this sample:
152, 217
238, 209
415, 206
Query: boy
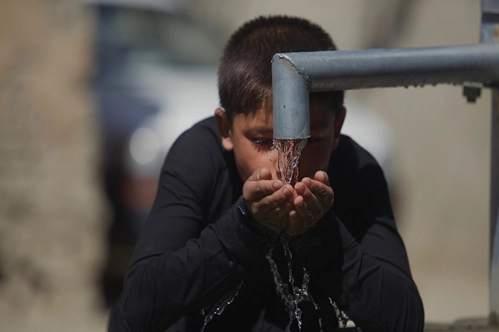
214, 252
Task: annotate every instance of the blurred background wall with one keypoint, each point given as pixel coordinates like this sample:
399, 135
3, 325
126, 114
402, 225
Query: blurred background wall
51, 208
56, 207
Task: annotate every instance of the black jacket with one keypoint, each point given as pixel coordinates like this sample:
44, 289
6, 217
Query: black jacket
199, 244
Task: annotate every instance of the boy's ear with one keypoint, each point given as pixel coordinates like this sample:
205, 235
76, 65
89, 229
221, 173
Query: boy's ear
224, 128
338, 123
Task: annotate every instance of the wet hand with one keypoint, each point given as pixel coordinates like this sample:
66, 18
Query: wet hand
268, 200
312, 199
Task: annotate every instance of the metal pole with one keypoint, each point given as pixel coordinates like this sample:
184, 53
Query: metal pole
291, 113
494, 212
294, 75
489, 34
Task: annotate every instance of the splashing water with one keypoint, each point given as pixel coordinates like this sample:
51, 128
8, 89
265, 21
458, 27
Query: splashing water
289, 151
342, 317
220, 306
291, 299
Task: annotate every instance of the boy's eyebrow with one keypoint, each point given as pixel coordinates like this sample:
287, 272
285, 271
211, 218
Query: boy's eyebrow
319, 129
259, 130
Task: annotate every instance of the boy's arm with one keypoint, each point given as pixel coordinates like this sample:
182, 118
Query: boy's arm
180, 265
160, 289
378, 291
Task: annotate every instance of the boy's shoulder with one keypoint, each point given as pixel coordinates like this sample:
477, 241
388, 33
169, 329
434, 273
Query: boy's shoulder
200, 145
353, 169
207, 126
352, 153
203, 133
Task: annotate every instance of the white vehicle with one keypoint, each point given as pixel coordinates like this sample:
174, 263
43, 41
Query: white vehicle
156, 77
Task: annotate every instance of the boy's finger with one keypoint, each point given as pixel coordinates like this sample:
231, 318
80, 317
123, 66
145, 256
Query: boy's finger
311, 207
277, 198
296, 225
322, 176
314, 200
281, 211
260, 174
323, 192
255, 190
263, 174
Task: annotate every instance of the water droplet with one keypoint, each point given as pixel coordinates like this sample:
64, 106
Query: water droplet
220, 306
342, 317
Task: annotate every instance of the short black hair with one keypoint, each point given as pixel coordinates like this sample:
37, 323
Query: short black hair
245, 72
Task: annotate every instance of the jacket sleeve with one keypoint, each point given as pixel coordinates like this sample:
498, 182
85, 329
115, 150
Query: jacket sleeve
184, 262
376, 289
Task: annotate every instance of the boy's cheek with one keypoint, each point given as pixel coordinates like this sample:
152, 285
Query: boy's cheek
311, 162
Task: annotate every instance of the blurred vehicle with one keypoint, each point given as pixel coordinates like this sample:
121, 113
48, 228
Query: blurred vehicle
155, 77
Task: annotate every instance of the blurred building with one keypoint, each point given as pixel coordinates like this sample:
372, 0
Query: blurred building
51, 206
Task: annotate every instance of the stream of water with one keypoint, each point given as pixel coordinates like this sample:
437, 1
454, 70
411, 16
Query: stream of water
289, 152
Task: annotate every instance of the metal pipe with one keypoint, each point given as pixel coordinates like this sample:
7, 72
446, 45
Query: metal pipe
290, 113
294, 75
489, 34
494, 212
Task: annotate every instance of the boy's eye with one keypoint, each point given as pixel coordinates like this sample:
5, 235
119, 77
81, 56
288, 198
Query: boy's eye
313, 140
263, 142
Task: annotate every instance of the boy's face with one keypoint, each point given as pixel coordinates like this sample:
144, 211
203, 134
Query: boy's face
251, 138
